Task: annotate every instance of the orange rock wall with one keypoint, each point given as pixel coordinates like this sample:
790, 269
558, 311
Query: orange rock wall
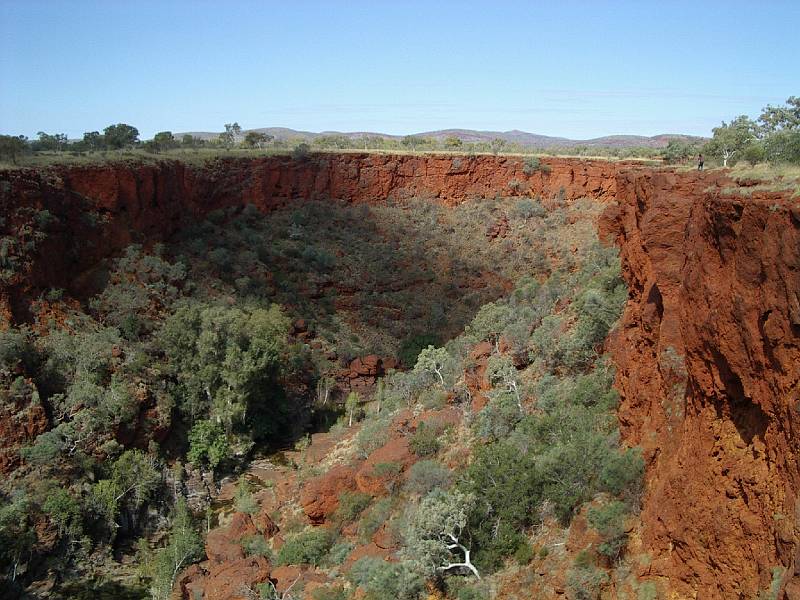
708, 358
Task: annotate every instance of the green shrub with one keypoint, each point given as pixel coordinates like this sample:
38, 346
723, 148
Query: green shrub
306, 548
433, 398
256, 545
499, 417
609, 520
622, 474
339, 553
243, 499
64, 512
374, 518
372, 436
532, 164
585, 582
383, 580
427, 475
524, 553
351, 505
208, 444
425, 441
528, 209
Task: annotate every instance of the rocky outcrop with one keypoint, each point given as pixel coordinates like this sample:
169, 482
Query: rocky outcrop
708, 366
22, 418
228, 572
320, 496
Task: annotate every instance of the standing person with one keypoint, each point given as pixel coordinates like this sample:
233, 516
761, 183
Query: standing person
699, 162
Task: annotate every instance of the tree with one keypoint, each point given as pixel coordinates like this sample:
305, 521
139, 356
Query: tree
184, 546
54, 143
433, 360
17, 536
64, 512
497, 145
412, 142
190, 141
164, 140
501, 371
678, 151
731, 138
351, 405
490, 321
609, 520
435, 532
229, 362
120, 136
92, 140
231, 134
207, 444
256, 139
12, 146
301, 151
134, 479
453, 142
781, 118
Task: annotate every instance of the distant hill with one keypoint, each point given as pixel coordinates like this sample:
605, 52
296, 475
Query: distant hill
523, 138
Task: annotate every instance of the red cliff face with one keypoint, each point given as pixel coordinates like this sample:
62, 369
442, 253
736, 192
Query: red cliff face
707, 353
708, 357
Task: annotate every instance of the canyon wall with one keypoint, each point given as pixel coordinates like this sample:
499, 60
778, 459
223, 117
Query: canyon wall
707, 352
98, 210
708, 358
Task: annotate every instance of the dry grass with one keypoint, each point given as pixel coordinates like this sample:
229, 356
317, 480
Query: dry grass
771, 178
200, 156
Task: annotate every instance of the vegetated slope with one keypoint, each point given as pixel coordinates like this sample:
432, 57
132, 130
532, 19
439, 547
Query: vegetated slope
706, 356
502, 435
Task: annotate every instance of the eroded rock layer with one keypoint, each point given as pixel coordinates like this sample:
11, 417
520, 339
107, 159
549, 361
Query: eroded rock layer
708, 357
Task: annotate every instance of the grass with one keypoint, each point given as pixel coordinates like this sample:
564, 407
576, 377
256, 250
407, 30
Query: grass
771, 178
199, 156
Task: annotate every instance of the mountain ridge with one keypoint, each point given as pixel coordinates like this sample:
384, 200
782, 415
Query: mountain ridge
523, 138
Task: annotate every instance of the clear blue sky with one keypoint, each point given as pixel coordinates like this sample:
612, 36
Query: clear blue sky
560, 67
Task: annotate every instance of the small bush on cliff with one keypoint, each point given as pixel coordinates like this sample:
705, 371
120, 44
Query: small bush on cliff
306, 548
372, 436
351, 505
244, 500
427, 475
374, 518
609, 521
208, 444
425, 441
528, 209
532, 164
383, 580
584, 580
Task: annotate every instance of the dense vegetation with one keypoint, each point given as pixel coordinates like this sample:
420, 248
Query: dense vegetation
545, 444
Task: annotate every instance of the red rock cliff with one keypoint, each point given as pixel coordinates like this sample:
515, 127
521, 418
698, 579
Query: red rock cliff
708, 357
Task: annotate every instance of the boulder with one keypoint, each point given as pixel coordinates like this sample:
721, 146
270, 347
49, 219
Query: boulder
320, 497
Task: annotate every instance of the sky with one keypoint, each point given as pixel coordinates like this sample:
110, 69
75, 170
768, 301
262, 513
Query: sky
577, 69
